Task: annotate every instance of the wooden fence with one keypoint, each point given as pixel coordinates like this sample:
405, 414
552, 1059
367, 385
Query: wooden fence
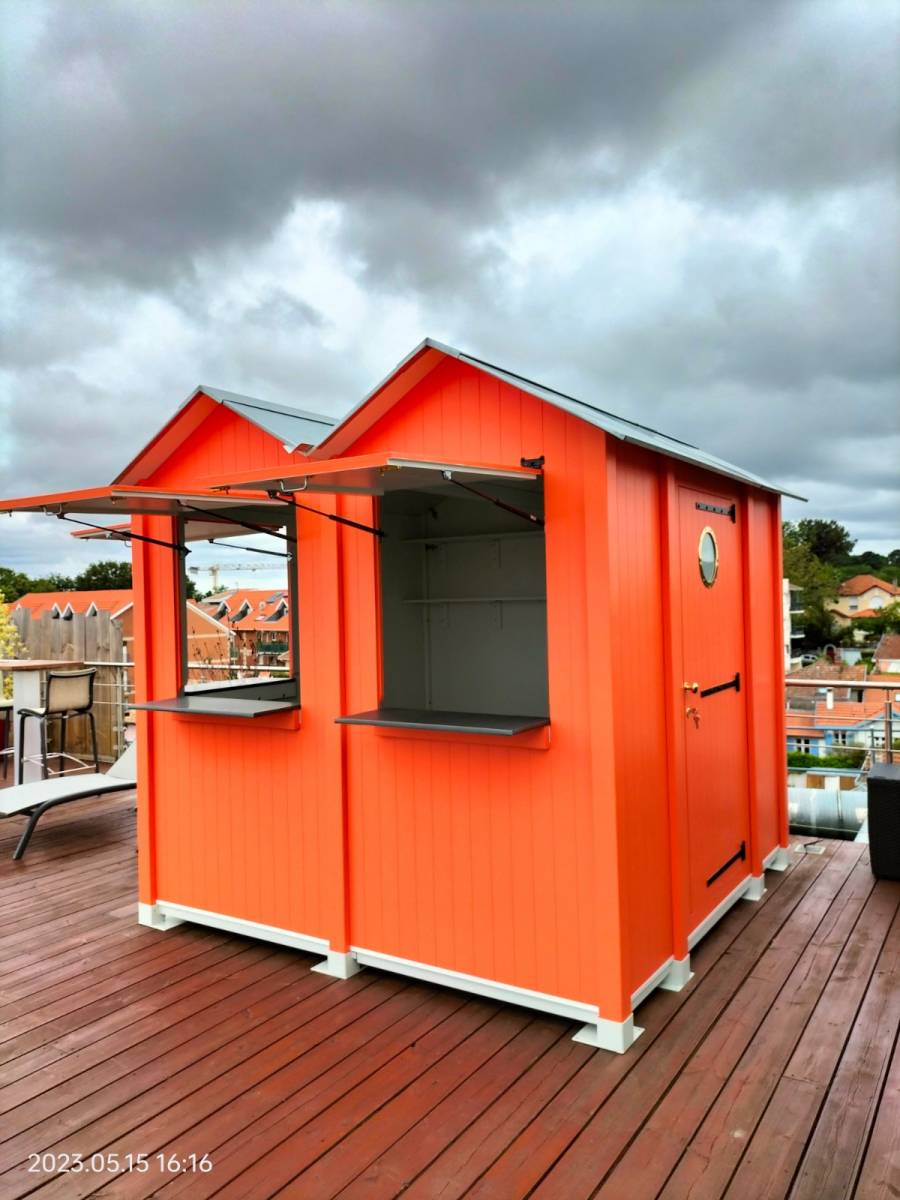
96, 641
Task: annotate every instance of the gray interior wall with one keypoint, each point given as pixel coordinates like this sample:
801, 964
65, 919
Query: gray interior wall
464, 624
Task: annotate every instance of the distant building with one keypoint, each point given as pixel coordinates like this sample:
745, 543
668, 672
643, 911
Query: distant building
862, 596
65, 605
847, 724
209, 640
847, 680
792, 609
260, 622
887, 654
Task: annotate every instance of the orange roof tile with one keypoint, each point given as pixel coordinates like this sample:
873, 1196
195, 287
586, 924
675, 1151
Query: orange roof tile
848, 712
861, 583
889, 646
109, 600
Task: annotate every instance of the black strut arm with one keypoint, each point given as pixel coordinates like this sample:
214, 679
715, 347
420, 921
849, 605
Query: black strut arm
218, 516
288, 498
122, 535
510, 508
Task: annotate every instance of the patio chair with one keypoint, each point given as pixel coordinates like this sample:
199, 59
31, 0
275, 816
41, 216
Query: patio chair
32, 800
69, 694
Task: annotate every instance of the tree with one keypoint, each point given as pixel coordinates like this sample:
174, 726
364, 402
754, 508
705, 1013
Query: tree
101, 576
828, 540
819, 626
887, 621
13, 584
51, 583
818, 580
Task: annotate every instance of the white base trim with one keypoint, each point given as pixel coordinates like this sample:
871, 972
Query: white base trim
338, 965
174, 914
678, 976
778, 860
757, 888
508, 993
616, 1036
718, 912
149, 915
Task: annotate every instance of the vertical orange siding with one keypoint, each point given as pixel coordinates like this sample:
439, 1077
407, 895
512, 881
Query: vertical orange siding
765, 665
243, 817
223, 443
489, 859
638, 739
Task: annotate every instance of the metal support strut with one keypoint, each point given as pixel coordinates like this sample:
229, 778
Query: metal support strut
510, 508
288, 498
121, 535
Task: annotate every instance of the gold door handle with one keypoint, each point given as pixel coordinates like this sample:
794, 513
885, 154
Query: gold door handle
691, 687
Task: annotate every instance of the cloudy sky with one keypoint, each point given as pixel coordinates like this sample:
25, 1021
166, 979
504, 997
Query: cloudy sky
686, 212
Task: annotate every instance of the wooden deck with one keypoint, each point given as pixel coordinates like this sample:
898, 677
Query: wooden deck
775, 1073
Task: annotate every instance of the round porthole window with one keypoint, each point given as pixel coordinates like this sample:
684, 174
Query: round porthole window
709, 557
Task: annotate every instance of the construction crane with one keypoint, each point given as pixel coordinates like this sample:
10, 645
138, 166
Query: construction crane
214, 570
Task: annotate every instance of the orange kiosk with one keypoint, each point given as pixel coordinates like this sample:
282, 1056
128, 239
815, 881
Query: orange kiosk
531, 744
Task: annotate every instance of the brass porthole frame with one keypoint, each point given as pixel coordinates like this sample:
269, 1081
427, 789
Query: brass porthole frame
708, 583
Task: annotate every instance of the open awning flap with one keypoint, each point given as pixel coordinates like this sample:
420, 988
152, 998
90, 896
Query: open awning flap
201, 529
376, 474
121, 499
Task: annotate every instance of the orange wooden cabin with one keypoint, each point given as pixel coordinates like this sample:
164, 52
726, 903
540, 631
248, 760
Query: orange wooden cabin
532, 743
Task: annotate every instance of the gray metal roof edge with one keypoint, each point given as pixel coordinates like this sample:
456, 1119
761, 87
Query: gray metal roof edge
620, 427
285, 410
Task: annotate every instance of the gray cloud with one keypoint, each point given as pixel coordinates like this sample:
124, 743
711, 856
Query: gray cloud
688, 212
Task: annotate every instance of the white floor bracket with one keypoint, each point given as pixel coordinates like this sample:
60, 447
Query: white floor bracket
756, 888
149, 915
616, 1036
338, 965
778, 860
678, 975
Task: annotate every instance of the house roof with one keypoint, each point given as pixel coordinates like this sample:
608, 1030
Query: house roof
823, 669
429, 354
293, 427
888, 646
802, 724
262, 604
110, 600
863, 614
847, 713
862, 583
840, 672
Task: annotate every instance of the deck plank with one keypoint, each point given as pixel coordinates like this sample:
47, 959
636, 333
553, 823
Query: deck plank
834, 1153
880, 1175
772, 1154
121, 1039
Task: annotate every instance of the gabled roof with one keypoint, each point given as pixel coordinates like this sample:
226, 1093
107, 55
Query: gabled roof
861, 583
110, 600
888, 646
293, 427
429, 354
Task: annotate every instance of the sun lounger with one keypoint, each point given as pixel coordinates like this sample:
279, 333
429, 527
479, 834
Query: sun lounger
32, 800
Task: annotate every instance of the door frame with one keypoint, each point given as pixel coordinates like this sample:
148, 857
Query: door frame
672, 477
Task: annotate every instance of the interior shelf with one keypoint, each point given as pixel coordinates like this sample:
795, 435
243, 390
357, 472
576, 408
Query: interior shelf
498, 536
479, 600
